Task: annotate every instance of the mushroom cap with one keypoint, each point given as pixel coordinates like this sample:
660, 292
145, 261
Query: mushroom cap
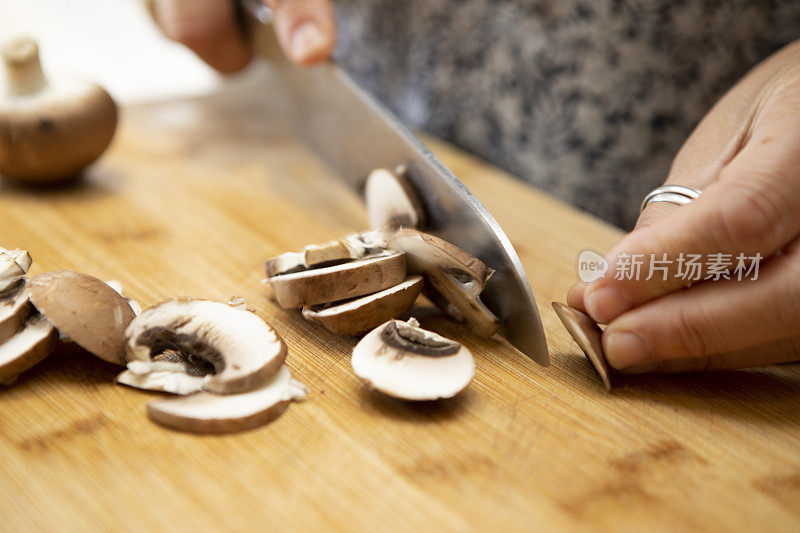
210, 413
14, 310
50, 132
365, 313
339, 282
243, 349
391, 200
408, 375
33, 343
13, 265
587, 334
85, 309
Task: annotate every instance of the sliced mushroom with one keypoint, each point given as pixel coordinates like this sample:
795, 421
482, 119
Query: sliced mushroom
587, 334
455, 279
85, 309
340, 282
362, 314
210, 413
14, 264
391, 200
240, 348
49, 131
354, 246
402, 360
29, 346
14, 310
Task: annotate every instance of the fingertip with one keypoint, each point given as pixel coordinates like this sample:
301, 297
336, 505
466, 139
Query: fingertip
604, 304
308, 44
575, 296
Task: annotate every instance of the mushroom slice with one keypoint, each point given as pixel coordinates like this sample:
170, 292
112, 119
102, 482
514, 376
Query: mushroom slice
402, 360
428, 254
85, 309
210, 413
170, 371
455, 279
443, 287
353, 246
242, 349
363, 314
391, 200
587, 334
14, 264
14, 309
28, 347
340, 282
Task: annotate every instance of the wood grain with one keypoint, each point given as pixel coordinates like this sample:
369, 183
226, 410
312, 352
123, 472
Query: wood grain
190, 200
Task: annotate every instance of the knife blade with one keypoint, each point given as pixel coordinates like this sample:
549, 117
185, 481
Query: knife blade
354, 134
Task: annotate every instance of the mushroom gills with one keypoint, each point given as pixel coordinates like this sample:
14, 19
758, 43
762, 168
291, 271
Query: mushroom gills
391, 200
404, 361
356, 316
364, 276
587, 334
231, 347
32, 344
210, 413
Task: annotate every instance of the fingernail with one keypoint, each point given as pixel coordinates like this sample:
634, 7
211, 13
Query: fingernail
306, 40
625, 349
606, 304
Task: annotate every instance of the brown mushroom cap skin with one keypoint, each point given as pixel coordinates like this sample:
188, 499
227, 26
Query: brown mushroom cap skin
340, 282
85, 309
588, 335
31, 345
50, 134
367, 312
14, 310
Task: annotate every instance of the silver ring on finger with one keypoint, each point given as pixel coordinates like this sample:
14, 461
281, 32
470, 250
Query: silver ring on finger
673, 194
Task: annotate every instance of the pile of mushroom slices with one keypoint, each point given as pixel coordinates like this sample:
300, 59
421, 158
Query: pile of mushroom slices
226, 360
366, 280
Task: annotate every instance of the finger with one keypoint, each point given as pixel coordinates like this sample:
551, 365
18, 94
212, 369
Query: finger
207, 27
306, 29
575, 296
753, 207
772, 353
714, 142
710, 318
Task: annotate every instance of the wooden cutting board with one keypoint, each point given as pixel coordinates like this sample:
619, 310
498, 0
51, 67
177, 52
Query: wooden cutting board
190, 200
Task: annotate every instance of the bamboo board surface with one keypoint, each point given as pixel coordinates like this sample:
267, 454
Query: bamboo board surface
190, 200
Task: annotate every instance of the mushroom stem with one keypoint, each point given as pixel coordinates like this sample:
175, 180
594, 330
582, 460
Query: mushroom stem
23, 71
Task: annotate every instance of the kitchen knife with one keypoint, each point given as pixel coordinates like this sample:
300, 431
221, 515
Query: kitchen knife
354, 134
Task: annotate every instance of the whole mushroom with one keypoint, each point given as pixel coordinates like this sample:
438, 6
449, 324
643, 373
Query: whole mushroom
49, 131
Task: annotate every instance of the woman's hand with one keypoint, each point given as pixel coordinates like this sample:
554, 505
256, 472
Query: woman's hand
305, 28
745, 156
